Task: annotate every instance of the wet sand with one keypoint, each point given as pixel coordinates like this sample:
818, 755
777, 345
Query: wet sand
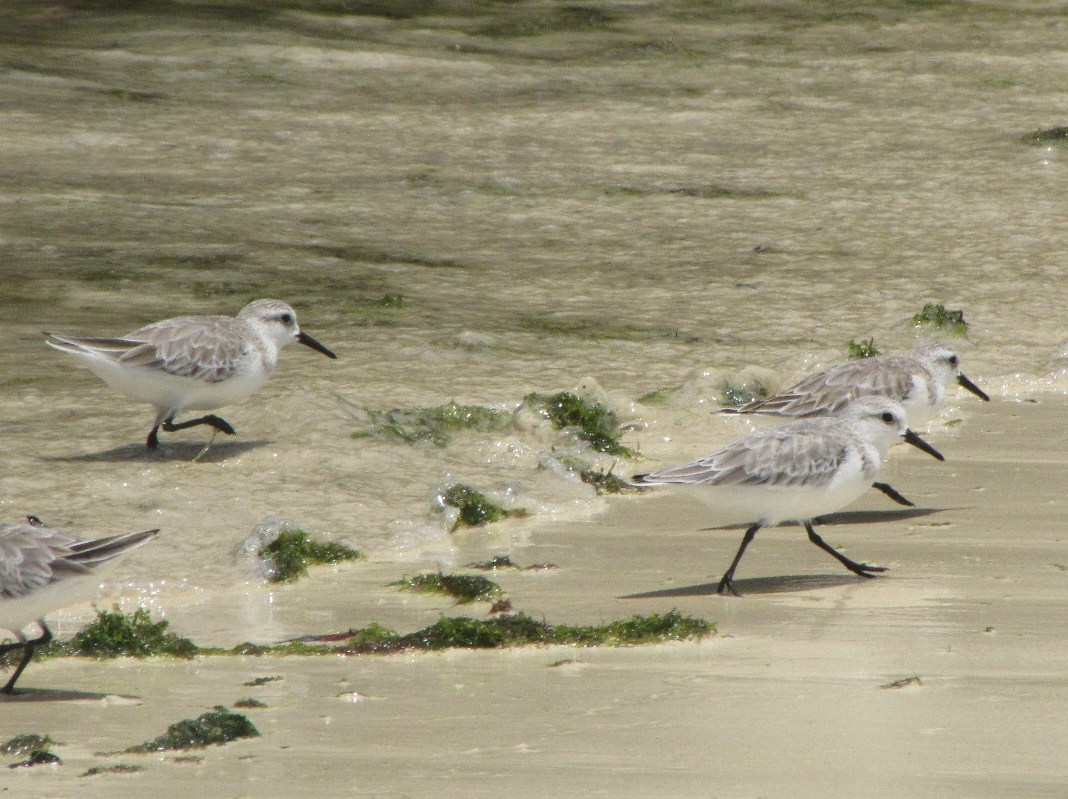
653, 196
789, 699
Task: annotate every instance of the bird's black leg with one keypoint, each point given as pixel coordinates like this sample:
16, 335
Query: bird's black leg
153, 438
863, 569
893, 493
219, 424
28, 647
726, 585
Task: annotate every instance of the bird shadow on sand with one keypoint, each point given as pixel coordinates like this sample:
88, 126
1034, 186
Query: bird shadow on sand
783, 584
851, 517
796, 582
62, 695
173, 451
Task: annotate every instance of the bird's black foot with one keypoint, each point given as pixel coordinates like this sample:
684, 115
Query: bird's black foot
27, 655
864, 570
221, 425
218, 423
894, 494
726, 587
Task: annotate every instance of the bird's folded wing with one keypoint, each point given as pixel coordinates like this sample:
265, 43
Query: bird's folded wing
202, 348
768, 458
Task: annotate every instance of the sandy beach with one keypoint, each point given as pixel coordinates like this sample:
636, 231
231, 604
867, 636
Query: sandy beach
794, 696
651, 204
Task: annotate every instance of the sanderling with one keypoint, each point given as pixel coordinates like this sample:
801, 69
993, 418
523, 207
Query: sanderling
193, 362
918, 380
798, 472
42, 570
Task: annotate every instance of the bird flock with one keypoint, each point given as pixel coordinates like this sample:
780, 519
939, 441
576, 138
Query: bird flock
844, 421
841, 423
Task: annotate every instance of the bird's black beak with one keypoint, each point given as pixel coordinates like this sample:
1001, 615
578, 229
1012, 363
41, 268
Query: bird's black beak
968, 384
919, 443
308, 341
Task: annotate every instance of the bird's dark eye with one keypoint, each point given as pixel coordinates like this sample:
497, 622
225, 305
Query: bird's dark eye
287, 318
953, 360
887, 417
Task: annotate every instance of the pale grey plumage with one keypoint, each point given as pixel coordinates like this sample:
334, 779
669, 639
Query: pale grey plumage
192, 362
917, 379
797, 472
807, 453
42, 570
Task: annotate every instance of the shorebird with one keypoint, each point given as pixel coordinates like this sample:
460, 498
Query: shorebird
797, 472
192, 362
917, 379
42, 570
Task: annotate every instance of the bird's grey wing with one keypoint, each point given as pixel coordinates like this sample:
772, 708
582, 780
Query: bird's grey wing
111, 347
828, 392
201, 347
769, 458
31, 557
797, 405
101, 550
889, 376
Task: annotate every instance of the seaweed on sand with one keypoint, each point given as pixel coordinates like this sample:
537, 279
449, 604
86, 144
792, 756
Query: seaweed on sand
217, 726
591, 421
293, 551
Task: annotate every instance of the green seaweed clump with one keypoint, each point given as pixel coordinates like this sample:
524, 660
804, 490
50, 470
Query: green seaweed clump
34, 747
463, 632
217, 726
464, 588
260, 681
372, 637
591, 421
604, 482
859, 350
475, 507
249, 702
116, 634
118, 768
519, 629
436, 425
1055, 135
741, 393
939, 318
25, 744
292, 552
655, 628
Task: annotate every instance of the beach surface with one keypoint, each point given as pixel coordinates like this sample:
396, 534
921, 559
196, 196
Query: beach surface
943, 678
657, 206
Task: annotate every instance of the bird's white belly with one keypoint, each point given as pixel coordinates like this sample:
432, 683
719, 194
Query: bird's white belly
19, 612
775, 504
918, 404
174, 393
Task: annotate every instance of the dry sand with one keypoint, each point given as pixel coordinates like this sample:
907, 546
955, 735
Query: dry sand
789, 700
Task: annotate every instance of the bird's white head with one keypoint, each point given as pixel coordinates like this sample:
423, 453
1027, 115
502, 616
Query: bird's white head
881, 420
940, 359
275, 321
884, 422
943, 362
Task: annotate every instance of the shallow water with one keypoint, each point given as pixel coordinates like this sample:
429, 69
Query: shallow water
651, 200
